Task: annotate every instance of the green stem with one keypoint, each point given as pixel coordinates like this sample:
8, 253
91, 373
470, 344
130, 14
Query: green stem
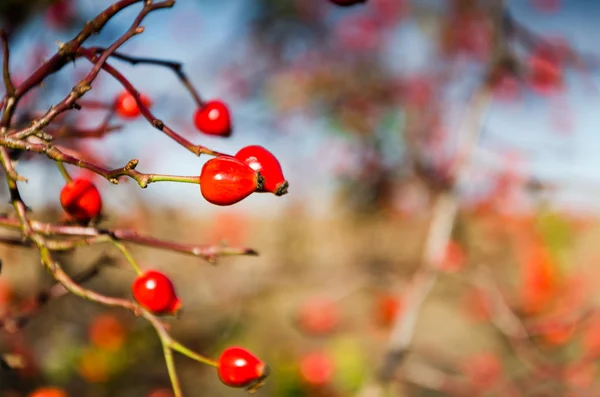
121, 247
63, 171
194, 356
175, 178
171, 368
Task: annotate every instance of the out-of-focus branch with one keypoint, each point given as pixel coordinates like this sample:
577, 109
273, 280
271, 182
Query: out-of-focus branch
507, 322
89, 235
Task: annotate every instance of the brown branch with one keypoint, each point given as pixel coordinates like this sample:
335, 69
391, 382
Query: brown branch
8, 84
66, 51
69, 102
176, 67
155, 122
55, 153
71, 132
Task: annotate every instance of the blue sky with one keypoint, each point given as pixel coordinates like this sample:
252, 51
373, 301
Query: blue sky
204, 35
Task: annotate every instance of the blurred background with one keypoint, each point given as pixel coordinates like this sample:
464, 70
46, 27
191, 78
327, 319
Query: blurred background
448, 141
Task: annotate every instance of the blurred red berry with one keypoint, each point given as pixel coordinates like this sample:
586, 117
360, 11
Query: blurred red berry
225, 180
155, 291
545, 73
454, 257
127, 107
483, 369
387, 309
240, 368
81, 200
161, 393
60, 14
213, 119
316, 368
261, 160
48, 391
318, 316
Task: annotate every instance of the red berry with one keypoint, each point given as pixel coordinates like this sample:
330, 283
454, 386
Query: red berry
347, 3
318, 316
316, 368
213, 119
48, 392
154, 291
161, 393
240, 368
81, 200
263, 161
225, 180
127, 107
387, 309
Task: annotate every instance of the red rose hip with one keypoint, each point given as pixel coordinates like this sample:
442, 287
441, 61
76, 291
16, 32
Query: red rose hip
237, 367
127, 107
81, 200
225, 180
155, 292
213, 119
261, 160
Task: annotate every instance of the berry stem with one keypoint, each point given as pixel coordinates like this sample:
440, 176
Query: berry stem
171, 366
174, 178
63, 171
194, 356
121, 247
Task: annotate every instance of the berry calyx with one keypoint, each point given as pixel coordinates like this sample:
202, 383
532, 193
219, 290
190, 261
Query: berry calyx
127, 107
347, 3
48, 392
261, 160
81, 200
225, 180
237, 367
213, 119
155, 292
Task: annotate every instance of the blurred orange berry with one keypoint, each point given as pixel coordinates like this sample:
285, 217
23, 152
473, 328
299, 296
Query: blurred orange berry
48, 391
454, 257
387, 308
106, 332
94, 366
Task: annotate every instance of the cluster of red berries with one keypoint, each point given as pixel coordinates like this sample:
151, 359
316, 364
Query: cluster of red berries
237, 367
224, 180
